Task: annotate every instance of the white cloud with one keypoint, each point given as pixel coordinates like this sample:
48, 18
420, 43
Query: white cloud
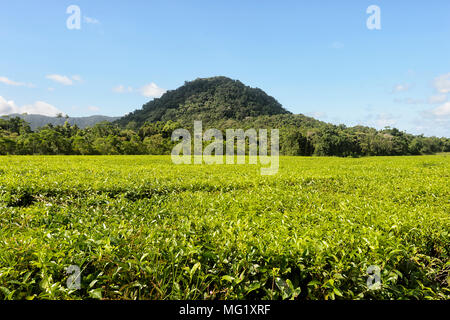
10, 82
39, 107
409, 101
151, 90
122, 89
439, 115
60, 79
442, 111
65, 80
436, 120
380, 120
7, 107
317, 114
77, 78
90, 20
442, 83
440, 98
401, 88
7, 81
385, 120
93, 108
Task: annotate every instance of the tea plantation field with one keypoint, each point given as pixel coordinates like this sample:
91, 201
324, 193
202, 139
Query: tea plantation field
140, 227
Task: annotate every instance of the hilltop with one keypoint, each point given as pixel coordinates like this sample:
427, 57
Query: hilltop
221, 103
208, 99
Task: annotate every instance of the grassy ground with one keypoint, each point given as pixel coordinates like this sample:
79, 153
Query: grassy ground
141, 227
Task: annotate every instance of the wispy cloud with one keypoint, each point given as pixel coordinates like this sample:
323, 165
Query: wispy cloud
436, 118
60, 79
381, 120
317, 114
90, 20
385, 119
409, 101
122, 89
440, 98
93, 108
401, 88
10, 82
442, 111
65, 80
442, 83
77, 78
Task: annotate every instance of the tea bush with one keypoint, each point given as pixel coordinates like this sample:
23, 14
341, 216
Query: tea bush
140, 227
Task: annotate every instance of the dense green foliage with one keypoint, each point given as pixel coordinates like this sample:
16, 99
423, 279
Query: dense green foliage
208, 99
220, 103
142, 227
299, 135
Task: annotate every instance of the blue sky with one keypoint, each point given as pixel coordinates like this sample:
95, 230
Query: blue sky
315, 57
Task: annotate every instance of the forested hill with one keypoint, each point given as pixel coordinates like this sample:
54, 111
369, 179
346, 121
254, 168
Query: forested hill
206, 99
220, 103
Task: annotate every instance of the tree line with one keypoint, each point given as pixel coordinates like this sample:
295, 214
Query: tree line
299, 137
